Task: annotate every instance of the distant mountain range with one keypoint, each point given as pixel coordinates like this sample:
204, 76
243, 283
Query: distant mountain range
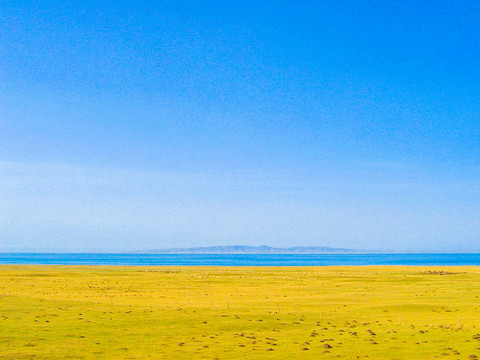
243, 249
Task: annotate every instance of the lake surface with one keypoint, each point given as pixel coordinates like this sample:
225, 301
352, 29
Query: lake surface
240, 259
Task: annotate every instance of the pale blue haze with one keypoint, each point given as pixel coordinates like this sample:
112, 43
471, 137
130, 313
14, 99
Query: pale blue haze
134, 126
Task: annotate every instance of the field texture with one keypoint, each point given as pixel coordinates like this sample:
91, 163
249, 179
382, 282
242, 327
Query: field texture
95, 312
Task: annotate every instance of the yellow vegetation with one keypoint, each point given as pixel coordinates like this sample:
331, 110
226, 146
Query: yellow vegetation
101, 312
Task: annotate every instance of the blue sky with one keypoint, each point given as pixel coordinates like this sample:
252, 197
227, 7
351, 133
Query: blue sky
128, 126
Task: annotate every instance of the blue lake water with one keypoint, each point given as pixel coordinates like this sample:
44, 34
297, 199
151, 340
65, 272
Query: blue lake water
241, 259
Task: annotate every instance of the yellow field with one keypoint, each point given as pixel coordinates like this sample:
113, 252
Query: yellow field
100, 312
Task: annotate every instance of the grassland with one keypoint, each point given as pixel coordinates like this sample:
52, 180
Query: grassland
97, 312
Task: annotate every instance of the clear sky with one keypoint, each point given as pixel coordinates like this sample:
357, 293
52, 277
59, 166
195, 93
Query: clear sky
141, 125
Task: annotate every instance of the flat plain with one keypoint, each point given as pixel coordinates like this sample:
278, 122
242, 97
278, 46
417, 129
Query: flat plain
119, 312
